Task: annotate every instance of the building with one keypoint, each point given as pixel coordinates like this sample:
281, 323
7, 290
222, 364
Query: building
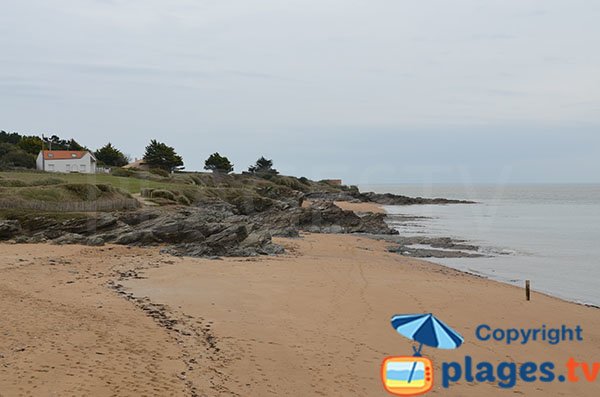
66, 161
334, 182
138, 164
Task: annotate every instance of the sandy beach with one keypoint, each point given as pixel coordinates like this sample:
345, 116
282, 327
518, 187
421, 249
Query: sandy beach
315, 321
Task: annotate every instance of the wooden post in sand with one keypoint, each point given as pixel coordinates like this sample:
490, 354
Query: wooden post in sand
527, 290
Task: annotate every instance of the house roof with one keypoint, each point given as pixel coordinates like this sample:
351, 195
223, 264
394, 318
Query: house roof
64, 154
135, 164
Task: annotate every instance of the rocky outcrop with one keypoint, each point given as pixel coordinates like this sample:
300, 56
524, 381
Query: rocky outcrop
432, 247
9, 229
321, 217
379, 198
208, 230
395, 199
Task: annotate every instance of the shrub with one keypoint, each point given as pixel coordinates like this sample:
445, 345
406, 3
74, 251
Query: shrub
160, 172
122, 172
196, 180
183, 200
164, 194
13, 183
84, 191
105, 188
47, 182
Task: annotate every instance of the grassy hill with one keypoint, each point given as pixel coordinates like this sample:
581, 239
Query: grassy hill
34, 190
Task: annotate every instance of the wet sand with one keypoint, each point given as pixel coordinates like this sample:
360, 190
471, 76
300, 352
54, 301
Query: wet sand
312, 322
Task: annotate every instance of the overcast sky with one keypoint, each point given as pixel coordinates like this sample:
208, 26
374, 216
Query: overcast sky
369, 91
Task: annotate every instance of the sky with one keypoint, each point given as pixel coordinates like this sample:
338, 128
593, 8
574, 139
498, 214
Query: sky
373, 91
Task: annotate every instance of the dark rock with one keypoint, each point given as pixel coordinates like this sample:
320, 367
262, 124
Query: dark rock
394, 199
326, 217
379, 198
9, 229
69, 238
89, 225
95, 241
432, 253
133, 218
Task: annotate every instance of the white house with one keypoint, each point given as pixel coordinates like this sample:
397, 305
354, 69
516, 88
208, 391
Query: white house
66, 161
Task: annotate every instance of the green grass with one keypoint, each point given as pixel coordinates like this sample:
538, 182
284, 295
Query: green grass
184, 188
130, 185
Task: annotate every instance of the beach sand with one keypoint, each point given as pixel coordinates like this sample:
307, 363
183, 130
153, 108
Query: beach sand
360, 207
314, 321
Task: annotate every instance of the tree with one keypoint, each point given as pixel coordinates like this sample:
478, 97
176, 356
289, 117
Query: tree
263, 167
159, 155
9, 137
73, 145
11, 156
217, 163
31, 144
111, 156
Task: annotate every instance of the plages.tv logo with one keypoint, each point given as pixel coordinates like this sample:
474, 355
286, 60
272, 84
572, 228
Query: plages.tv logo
413, 375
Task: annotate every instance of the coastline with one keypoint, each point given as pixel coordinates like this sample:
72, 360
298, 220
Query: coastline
226, 327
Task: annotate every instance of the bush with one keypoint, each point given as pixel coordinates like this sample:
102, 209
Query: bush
164, 194
124, 172
13, 183
195, 180
160, 172
84, 191
47, 182
183, 200
105, 188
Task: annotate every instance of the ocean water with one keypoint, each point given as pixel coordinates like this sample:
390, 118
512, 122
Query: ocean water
549, 234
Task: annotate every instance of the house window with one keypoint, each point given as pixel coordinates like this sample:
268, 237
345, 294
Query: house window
82, 167
50, 167
50, 154
73, 155
68, 166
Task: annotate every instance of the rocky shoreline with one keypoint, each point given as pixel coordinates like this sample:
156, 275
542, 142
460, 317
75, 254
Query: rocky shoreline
220, 228
207, 230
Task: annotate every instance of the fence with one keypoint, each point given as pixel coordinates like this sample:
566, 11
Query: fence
71, 206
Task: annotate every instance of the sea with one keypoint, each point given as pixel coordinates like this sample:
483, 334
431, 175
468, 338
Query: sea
546, 233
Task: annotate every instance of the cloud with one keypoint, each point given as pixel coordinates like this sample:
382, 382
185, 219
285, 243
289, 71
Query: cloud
302, 80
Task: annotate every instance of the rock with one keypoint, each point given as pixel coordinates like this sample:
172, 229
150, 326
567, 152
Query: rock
432, 253
137, 237
69, 238
21, 240
372, 223
89, 225
326, 217
133, 218
9, 229
395, 199
256, 239
285, 232
379, 198
94, 241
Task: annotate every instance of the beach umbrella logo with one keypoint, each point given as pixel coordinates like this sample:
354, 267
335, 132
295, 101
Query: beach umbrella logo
413, 375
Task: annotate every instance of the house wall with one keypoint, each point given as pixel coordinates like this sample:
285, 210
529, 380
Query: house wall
38, 161
84, 165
